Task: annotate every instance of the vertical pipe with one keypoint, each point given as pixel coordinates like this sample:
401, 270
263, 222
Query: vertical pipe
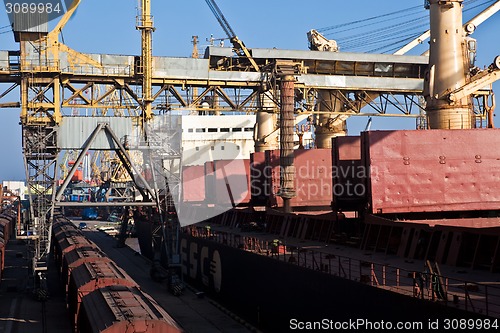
216, 104
287, 170
24, 97
447, 67
490, 109
266, 124
57, 100
18, 232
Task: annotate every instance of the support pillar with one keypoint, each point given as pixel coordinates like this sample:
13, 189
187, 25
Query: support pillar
266, 124
329, 125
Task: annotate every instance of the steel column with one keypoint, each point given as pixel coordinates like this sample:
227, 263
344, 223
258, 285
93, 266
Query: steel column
265, 123
330, 125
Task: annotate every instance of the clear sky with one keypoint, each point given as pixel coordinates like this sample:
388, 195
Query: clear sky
108, 26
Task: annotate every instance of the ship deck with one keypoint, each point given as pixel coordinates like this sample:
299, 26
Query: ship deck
460, 287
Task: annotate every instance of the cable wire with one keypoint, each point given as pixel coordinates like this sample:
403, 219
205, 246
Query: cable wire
412, 19
366, 19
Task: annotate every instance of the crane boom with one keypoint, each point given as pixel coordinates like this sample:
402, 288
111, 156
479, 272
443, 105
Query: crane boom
220, 17
238, 45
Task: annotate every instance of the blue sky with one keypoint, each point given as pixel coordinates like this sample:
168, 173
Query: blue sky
108, 26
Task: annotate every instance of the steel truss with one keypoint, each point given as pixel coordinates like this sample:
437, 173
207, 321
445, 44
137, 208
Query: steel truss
94, 96
40, 155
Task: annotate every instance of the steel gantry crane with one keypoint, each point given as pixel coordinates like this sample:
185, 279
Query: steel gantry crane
452, 76
54, 77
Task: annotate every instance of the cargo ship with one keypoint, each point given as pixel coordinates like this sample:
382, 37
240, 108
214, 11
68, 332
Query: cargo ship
241, 180
384, 225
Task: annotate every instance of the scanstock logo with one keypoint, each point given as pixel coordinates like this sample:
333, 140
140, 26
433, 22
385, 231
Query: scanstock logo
205, 177
34, 15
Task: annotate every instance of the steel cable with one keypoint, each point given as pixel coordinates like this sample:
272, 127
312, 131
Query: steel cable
388, 33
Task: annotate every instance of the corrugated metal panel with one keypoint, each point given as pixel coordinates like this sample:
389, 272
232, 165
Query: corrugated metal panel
113, 59
183, 68
338, 81
117, 64
63, 62
109, 64
4, 60
433, 171
37, 22
75, 131
375, 83
95, 56
92, 275
31, 54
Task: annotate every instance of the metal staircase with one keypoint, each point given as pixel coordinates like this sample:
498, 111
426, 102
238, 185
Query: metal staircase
164, 135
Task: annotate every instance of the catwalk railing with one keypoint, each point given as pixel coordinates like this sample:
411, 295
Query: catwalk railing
478, 297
